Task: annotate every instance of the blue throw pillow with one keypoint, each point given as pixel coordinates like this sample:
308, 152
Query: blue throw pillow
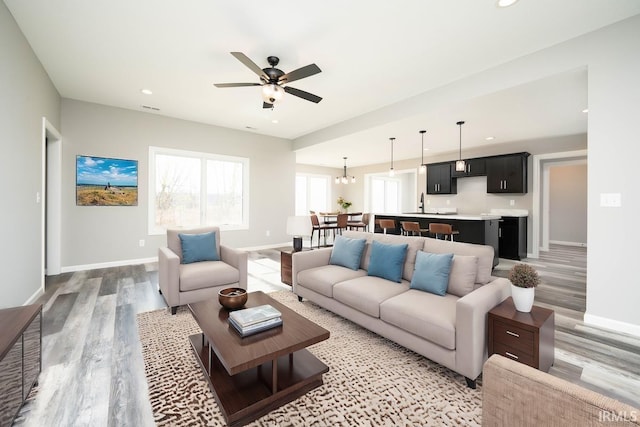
432, 272
387, 261
347, 252
199, 247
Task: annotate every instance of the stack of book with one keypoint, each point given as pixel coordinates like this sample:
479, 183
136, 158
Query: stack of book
252, 320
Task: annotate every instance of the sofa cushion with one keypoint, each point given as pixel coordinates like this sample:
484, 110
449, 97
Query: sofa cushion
347, 252
366, 293
426, 315
206, 274
463, 275
321, 279
199, 247
484, 253
173, 240
432, 272
387, 261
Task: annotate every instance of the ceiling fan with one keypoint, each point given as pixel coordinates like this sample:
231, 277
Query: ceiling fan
273, 80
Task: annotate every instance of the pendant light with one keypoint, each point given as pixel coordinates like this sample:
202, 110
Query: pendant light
423, 167
344, 178
460, 165
391, 171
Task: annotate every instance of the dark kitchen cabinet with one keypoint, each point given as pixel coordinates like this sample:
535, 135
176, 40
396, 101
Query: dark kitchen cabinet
507, 174
512, 237
439, 179
472, 167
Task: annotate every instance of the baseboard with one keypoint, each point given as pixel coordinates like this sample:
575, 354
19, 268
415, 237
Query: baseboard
273, 246
33, 298
72, 268
560, 242
616, 325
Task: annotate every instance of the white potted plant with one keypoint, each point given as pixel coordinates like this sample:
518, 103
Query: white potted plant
524, 280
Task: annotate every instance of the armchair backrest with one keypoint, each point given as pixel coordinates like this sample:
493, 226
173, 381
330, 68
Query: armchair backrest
173, 240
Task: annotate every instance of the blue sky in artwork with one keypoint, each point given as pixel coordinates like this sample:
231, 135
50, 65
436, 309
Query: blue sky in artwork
103, 171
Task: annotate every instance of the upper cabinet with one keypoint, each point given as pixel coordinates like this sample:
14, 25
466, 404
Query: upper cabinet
439, 179
507, 174
472, 167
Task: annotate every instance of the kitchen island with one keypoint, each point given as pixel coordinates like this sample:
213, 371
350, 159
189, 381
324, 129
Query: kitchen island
479, 229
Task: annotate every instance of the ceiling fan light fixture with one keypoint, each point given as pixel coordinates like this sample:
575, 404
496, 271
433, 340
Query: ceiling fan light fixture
271, 93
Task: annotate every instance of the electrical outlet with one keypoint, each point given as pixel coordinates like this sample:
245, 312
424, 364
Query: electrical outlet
428, 201
512, 202
268, 233
141, 243
448, 202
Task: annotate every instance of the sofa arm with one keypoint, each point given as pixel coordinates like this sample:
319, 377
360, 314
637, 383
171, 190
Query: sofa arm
514, 394
238, 259
305, 260
471, 325
169, 276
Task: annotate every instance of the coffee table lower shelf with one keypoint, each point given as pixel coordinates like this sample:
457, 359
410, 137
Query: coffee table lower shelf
248, 395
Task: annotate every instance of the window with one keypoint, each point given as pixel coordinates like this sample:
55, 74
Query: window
385, 195
190, 189
313, 193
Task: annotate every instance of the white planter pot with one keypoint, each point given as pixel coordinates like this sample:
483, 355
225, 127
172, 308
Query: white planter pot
522, 298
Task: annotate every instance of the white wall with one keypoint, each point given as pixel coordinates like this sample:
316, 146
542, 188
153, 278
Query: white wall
94, 234
568, 204
26, 95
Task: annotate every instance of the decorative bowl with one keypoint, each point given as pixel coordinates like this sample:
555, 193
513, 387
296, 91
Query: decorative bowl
232, 298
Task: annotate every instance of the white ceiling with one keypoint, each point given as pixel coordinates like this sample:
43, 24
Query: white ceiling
372, 54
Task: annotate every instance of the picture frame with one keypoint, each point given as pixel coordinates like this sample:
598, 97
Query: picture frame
105, 181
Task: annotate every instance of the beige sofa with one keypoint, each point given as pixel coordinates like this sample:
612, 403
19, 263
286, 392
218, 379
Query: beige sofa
514, 394
450, 329
186, 283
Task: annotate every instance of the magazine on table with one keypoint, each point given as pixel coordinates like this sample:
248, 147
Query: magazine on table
253, 315
257, 327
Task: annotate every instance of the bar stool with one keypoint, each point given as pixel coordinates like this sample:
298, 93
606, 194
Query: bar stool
439, 229
387, 224
411, 228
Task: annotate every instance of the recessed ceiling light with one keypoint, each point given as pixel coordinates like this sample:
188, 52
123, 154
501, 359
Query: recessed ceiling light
146, 91
586, 110
490, 138
426, 149
274, 121
506, 3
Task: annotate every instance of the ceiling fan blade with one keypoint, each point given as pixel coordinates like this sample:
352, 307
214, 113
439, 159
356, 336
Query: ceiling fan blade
250, 64
300, 73
236, 84
266, 105
302, 94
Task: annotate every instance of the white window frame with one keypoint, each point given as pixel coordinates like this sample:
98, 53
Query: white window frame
153, 229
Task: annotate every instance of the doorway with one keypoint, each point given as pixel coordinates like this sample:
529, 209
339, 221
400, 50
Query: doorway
541, 219
51, 200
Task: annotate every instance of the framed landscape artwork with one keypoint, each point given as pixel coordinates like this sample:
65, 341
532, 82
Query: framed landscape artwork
102, 181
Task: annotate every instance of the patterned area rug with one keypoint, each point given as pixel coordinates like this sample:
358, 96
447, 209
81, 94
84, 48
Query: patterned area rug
371, 381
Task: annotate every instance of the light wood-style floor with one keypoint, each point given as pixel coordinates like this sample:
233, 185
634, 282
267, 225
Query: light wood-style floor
93, 372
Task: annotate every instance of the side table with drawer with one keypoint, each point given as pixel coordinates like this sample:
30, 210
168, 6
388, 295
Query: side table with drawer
285, 265
525, 337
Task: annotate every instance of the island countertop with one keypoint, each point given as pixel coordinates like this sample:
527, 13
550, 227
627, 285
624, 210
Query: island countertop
460, 217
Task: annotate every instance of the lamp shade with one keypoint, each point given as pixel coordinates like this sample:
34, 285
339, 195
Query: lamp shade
299, 226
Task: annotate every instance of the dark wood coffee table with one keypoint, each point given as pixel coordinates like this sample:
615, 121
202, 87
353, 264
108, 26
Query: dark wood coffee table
251, 376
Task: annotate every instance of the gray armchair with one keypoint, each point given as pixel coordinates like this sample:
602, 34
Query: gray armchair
186, 283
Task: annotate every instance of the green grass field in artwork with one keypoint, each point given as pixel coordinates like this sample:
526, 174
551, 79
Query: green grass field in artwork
93, 195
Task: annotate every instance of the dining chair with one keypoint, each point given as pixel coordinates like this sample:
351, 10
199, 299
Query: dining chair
362, 223
342, 222
316, 226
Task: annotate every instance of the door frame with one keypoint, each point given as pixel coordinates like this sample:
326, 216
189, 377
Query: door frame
51, 216
540, 217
